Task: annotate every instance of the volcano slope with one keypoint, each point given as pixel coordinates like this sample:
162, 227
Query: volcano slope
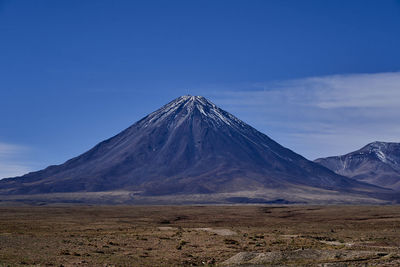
190, 151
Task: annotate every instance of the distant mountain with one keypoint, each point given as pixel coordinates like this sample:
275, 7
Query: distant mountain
189, 147
377, 163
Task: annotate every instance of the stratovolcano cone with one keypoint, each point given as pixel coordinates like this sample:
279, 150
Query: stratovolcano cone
189, 146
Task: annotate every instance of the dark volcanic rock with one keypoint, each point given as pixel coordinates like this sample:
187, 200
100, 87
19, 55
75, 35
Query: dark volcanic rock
377, 163
187, 146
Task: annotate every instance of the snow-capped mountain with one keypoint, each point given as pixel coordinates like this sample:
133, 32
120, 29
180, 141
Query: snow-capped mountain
377, 163
189, 146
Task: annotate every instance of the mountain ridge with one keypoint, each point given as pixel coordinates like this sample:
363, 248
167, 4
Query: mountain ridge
377, 163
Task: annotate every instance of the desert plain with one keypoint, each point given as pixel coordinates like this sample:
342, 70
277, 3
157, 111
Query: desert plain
247, 235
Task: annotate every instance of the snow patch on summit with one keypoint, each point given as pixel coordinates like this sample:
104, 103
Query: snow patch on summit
381, 155
185, 105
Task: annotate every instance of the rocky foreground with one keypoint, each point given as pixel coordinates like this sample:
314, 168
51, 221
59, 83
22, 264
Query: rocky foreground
200, 235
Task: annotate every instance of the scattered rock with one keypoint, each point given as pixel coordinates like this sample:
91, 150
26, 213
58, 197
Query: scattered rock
166, 228
289, 236
231, 242
224, 232
65, 252
181, 244
336, 243
300, 255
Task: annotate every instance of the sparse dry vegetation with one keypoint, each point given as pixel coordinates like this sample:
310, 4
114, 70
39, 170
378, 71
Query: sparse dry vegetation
200, 235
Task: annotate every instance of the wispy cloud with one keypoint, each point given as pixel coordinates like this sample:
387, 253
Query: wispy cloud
381, 90
321, 116
12, 160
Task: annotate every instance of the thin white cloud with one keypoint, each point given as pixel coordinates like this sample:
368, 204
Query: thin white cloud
380, 90
11, 149
11, 170
321, 116
12, 162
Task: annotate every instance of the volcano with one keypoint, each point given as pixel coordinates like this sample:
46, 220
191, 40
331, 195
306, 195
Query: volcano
192, 148
376, 163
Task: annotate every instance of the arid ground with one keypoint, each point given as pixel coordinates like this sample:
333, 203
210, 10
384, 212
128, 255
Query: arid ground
200, 235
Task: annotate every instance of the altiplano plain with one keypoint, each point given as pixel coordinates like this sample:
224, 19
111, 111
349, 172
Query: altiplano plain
252, 235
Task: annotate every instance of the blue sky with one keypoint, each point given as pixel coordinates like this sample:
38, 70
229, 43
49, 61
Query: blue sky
320, 77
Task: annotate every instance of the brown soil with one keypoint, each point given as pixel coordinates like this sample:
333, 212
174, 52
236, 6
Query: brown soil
200, 235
